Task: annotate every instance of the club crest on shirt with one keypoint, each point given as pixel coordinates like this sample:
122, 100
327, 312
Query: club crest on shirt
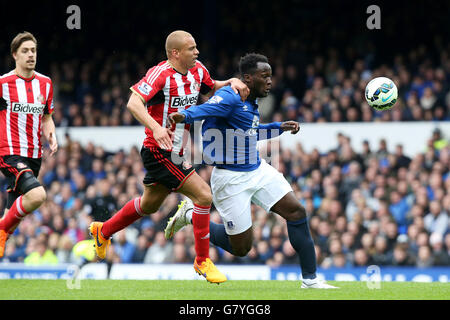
196, 86
40, 99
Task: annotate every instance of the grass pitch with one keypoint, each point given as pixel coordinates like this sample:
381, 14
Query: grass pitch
202, 290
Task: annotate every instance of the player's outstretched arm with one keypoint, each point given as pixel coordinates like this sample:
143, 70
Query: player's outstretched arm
274, 129
162, 135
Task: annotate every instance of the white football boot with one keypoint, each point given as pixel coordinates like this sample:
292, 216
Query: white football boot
316, 284
179, 219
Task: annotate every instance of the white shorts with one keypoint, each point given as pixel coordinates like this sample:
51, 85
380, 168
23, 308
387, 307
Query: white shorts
234, 191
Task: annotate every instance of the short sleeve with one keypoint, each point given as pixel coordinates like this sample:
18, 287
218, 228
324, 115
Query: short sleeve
149, 85
207, 82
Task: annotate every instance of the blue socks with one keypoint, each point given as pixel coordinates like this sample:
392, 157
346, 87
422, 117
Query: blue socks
219, 237
300, 237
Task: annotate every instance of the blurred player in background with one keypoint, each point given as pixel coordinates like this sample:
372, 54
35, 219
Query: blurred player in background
173, 85
26, 107
240, 177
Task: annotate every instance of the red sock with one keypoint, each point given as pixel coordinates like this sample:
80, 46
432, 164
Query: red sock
14, 215
123, 218
200, 222
13, 228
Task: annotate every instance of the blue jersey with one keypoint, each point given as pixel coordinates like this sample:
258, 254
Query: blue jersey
231, 130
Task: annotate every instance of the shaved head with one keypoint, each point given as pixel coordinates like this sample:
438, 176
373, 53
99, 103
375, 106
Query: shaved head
181, 50
176, 40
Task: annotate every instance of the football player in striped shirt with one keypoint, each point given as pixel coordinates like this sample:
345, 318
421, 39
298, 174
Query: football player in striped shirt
171, 86
26, 107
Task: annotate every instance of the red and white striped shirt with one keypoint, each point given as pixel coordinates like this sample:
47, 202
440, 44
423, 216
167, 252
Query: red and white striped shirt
23, 102
164, 91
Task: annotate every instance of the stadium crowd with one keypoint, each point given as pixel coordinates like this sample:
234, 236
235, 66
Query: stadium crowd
373, 207
330, 88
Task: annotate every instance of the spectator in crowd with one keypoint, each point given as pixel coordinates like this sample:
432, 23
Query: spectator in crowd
140, 251
264, 250
124, 248
99, 202
64, 250
440, 256
253, 257
41, 254
436, 220
401, 256
399, 209
361, 258
12, 252
73, 231
180, 254
381, 254
424, 257
160, 251
340, 261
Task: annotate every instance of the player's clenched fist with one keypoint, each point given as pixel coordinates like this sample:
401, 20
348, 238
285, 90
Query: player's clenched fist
292, 126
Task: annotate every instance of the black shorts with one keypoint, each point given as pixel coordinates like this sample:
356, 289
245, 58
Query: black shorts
13, 167
161, 169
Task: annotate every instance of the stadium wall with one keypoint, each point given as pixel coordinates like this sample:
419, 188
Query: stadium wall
99, 271
323, 136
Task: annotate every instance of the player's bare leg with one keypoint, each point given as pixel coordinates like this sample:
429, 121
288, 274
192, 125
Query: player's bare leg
21, 207
34, 198
241, 243
153, 197
199, 192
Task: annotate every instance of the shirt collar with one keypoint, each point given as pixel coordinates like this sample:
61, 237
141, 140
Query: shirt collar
253, 102
26, 79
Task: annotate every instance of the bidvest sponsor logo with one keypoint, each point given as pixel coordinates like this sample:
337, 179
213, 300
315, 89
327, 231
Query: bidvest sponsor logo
28, 108
184, 101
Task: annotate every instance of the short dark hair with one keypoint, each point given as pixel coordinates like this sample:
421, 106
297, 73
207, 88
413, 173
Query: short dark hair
249, 62
21, 38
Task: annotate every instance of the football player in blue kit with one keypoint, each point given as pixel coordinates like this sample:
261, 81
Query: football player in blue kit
230, 133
